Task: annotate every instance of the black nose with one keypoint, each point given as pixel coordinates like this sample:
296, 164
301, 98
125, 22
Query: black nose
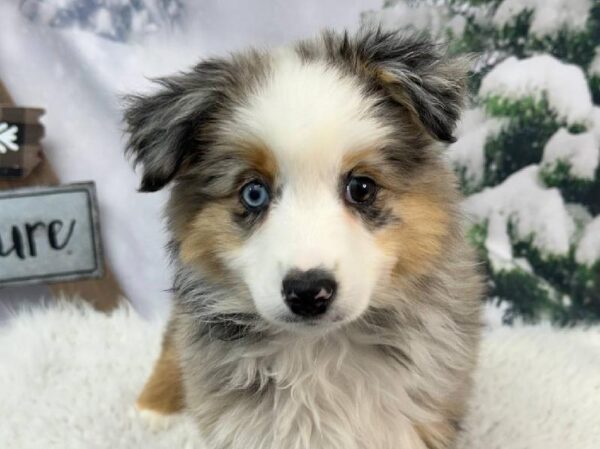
309, 293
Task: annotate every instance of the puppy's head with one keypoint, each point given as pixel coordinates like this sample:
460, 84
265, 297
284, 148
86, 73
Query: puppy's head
309, 178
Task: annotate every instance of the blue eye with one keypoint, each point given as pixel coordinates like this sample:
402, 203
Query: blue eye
255, 195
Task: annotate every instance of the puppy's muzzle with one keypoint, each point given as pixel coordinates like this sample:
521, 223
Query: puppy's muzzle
309, 293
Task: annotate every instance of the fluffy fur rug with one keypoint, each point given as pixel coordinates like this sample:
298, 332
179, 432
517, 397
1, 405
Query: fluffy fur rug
69, 377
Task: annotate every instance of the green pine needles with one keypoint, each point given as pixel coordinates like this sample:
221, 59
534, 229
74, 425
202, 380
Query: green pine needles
554, 97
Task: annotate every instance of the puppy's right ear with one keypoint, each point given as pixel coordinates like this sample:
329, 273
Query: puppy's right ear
164, 127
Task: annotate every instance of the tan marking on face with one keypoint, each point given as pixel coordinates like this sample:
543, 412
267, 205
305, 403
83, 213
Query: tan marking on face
416, 240
360, 158
163, 392
371, 162
210, 234
260, 158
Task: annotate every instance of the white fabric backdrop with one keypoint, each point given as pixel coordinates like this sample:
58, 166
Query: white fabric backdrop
78, 78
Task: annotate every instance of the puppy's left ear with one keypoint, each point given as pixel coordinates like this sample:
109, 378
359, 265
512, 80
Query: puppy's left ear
418, 75
165, 127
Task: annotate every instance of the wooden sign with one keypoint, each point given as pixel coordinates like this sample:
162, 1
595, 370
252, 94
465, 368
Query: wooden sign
103, 293
49, 234
20, 135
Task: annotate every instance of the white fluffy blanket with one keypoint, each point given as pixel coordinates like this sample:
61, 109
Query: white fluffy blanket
69, 377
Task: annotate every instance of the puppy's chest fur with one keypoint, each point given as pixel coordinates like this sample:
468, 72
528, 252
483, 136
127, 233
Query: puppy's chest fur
338, 392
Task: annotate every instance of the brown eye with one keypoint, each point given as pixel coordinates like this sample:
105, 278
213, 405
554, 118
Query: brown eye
360, 190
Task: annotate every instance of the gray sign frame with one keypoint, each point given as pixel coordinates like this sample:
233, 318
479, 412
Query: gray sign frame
97, 271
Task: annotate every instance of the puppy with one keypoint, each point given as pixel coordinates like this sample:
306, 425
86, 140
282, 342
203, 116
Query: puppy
324, 296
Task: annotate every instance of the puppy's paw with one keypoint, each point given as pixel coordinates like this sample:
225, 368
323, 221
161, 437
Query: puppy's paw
157, 421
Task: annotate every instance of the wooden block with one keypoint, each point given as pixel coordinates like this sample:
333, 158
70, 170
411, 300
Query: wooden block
104, 293
20, 135
5, 97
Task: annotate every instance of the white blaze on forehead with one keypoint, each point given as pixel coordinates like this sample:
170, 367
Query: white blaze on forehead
309, 115
308, 112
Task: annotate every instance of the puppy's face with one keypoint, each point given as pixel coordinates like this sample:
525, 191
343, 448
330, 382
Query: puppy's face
306, 180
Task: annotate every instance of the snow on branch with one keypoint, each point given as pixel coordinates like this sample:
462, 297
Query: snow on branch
548, 16
564, 85
534, 211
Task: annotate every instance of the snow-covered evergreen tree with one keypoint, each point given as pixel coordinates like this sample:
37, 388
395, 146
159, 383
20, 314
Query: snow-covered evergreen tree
528, 147
119, 20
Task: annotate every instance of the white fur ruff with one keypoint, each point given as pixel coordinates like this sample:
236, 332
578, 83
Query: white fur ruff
69, 377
